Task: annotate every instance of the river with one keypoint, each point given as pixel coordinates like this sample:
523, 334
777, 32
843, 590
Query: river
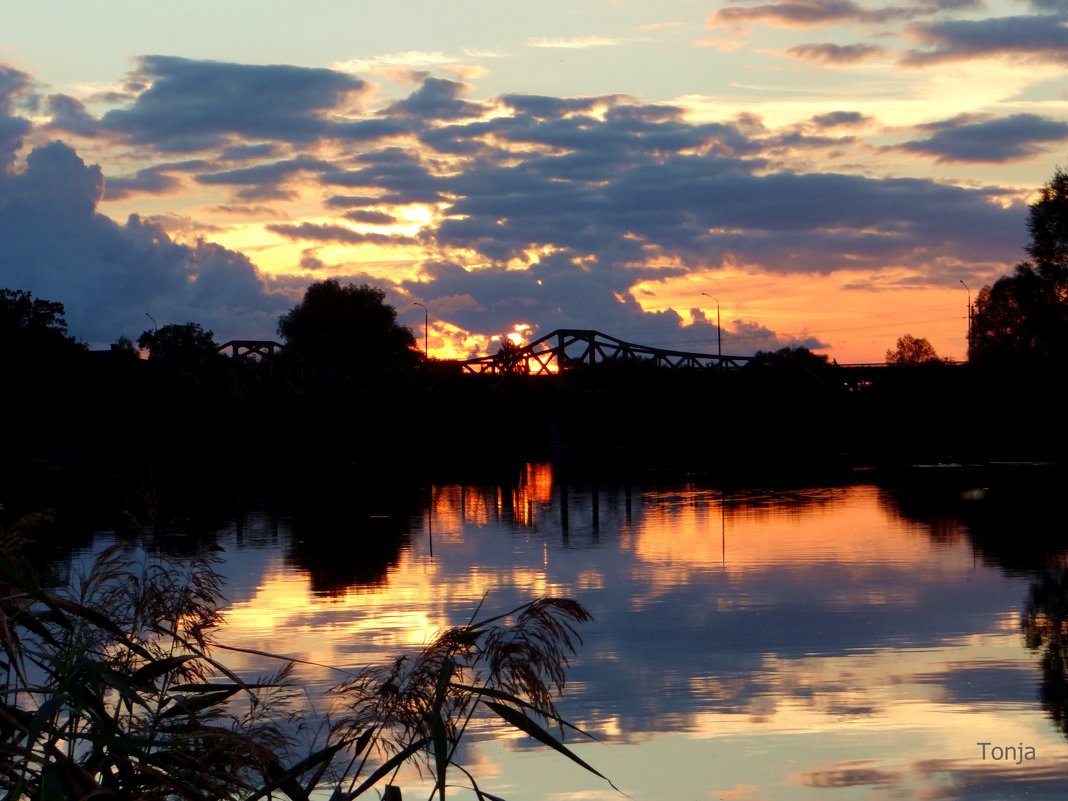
857, 641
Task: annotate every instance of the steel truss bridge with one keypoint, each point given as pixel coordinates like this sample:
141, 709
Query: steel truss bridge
570, 348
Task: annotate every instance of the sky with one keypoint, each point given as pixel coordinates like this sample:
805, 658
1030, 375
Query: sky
825, 173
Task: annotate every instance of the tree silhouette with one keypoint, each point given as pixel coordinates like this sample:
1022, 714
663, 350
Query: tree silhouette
1024, 316
912, 350
348, 326
1045, 629
1048, 225
180, 344
33, 327
511, 359
790, 358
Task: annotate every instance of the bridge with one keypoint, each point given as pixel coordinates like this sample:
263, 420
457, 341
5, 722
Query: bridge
569, 348
558, 352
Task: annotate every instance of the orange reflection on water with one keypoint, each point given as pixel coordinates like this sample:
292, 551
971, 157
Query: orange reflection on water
456, 505
844, 526
351, 629
533, 493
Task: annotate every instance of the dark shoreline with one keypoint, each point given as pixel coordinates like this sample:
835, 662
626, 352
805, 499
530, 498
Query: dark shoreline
120, 417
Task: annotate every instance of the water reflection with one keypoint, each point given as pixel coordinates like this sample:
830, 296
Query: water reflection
799, 643
1045, 626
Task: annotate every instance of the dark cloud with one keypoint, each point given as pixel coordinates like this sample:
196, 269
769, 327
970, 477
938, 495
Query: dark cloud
69, 114
149, 181
266, 182
840, 119
403, 175
249, 211
436, 99
374, 130
309, 261
246, 152
544, 107
806, 13
991, 142
628, 203
195, 105
1041, 38
370, 217
348, 201
54, 244
13, 84
835, 54
337, 233
626, 132
270, 174
1051, 5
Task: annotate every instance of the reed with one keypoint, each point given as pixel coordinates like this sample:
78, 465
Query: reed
114, 690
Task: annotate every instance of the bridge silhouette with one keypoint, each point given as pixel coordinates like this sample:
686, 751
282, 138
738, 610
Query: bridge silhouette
559, 352
570, 348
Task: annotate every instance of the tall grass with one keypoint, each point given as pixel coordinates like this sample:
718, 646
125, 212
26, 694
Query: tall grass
114, 690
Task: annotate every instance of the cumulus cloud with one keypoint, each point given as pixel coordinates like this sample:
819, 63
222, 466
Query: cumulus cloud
13, 84
69, 114
992, 141
196, 105
55, 244
436, 99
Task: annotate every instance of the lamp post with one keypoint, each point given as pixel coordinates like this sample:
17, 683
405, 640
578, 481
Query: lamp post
155, 327
969, 316
719, 332
426, 330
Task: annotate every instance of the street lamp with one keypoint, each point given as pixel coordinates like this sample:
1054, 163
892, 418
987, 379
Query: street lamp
969, 316
426, 330
719, 332
155, 327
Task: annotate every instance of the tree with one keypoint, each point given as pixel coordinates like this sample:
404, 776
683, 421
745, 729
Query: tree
32, 326
511, 359
180, 344
348, 326
912, 350
1024, 316
790, 358
1048, 226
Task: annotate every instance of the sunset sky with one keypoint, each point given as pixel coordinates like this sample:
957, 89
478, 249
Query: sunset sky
830, 171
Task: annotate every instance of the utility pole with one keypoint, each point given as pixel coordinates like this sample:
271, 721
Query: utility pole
719, 332
426, 330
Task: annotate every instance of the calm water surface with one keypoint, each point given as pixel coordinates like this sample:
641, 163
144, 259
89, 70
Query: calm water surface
828, 643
